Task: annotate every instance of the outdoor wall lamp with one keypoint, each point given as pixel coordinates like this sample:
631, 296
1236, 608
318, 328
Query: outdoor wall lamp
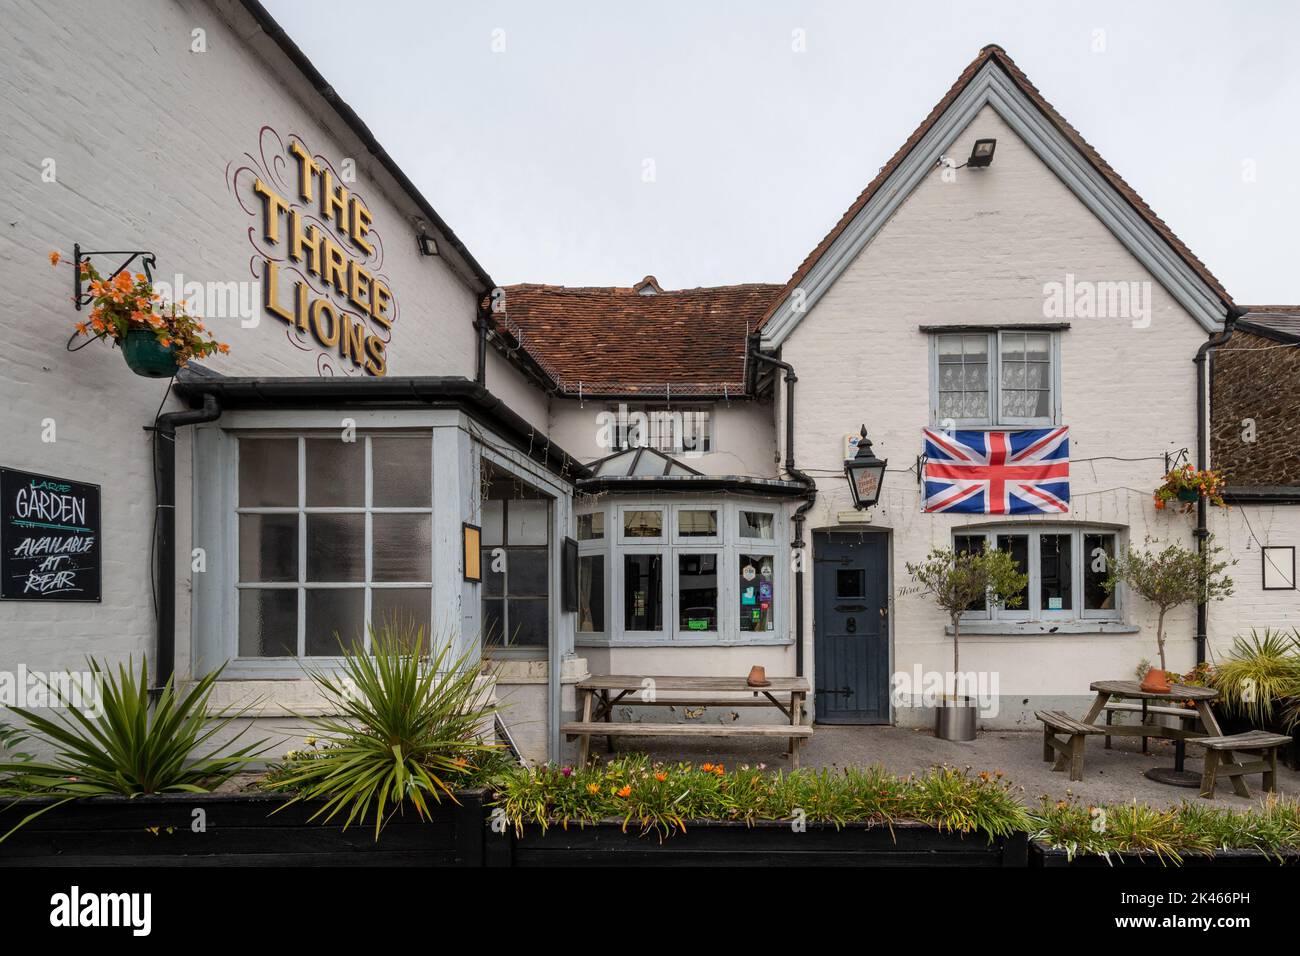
427, 246
866, 473
981, 153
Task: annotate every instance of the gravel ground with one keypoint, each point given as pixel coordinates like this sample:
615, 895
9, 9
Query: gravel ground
1109, 776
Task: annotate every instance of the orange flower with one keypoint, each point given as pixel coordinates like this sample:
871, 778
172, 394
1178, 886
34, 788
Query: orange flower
81, 327
625, 792
54, 258
706, 767
223, 348
661, 776
593, 788
85, 267
140, 277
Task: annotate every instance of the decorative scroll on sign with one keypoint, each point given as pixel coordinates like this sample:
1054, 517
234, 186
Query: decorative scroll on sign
49, 538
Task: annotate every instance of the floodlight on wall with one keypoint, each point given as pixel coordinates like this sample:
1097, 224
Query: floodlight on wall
428, 247
981, 153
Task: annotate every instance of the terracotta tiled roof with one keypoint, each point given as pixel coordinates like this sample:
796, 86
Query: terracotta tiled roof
630, 341
999, 56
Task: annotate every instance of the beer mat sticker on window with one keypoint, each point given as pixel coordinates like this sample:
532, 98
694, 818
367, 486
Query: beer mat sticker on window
50, 548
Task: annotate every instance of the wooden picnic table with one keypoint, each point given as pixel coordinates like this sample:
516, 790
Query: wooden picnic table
1200, 698
598, 695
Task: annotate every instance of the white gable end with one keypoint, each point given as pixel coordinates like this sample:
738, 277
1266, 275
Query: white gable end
992, 88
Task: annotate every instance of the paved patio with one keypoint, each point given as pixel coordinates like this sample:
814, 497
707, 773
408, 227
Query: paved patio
1109, 776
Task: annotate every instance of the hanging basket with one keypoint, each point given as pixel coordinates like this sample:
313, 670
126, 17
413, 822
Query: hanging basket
146, 356
1188, 494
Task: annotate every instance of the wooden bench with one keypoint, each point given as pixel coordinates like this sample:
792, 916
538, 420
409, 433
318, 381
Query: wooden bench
1219, 749
584, 730
1123, 706
1068, 752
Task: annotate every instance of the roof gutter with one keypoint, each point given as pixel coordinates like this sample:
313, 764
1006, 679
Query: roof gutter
444, 392
1202, 532
810, 495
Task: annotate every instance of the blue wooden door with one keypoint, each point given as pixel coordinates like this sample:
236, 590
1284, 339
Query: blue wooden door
851, 627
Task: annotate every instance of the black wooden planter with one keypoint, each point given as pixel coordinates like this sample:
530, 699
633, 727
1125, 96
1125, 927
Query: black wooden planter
766, 843
238, 830
1040, 854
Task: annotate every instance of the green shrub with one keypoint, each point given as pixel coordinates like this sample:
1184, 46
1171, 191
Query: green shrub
404, 728
666, 797
1168, 834
1259, 672
132, 748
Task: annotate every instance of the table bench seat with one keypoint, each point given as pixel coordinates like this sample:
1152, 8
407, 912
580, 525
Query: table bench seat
1218, 758
1068, 752
1130, 707
599, 729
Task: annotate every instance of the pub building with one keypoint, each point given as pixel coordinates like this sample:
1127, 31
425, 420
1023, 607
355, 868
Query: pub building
586, 481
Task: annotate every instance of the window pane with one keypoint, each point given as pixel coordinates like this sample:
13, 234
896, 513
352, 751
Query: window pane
403, 472
492, 517
528, 622
403, 547
756, 524
591, 527
526, 521
268, 548
850, 583
336, 547
591, 593
756, 592
1098, 556
336, 473
526, 572
494, 572
1017, 545
268, 623
643, 524
697, 524
963, 376
268, 472
697, 592
1055, 572
402, 608
643, 591
972, 544
334, 615
494, 621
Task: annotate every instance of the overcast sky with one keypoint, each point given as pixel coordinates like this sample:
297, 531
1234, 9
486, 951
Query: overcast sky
535, 154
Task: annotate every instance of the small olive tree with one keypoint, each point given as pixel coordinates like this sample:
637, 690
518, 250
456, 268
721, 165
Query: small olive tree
1171, 578
956, 580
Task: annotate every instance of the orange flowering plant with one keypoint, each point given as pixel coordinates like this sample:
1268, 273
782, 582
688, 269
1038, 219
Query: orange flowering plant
125, 302
1187, 484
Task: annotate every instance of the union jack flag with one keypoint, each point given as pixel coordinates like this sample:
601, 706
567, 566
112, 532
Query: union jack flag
998, 473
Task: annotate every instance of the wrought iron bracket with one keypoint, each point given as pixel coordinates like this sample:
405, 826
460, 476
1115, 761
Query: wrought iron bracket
80, 298
1172, 461
920, 469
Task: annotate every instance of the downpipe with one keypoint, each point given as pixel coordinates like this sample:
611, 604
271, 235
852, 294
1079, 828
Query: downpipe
165, 564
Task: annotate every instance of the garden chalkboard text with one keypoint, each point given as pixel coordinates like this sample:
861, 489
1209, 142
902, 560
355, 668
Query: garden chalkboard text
49, 538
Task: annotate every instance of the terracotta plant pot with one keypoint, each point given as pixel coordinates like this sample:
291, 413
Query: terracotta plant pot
1156, 681
146, 356
758, 677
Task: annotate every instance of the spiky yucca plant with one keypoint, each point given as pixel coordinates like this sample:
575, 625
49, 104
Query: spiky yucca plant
405, 727
130, 748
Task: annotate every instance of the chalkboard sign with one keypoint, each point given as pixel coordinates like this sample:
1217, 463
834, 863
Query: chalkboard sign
50, 547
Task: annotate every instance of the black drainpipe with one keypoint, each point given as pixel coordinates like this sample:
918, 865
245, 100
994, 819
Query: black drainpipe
799, 515
481, 324
165, 477
1202, 532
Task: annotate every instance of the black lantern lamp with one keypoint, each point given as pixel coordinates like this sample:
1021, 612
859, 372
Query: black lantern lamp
866, 473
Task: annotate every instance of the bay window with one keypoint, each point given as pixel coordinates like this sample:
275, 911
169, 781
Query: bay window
1066, 567
333, 537
682, 572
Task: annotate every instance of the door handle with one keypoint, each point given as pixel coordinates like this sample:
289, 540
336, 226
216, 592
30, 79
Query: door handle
884, 612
